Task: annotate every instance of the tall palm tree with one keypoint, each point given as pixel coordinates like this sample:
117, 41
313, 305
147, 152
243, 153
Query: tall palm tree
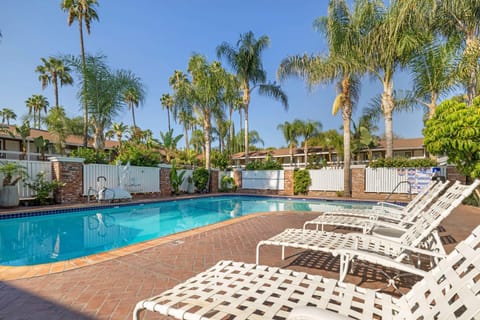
134, 95
84, 12
51, 71
24, 132
186, 119
7, 114
245, 60
290, 133
395, 35
36, 104
203, 94
307, 129
167, 103
459, 21
343, 64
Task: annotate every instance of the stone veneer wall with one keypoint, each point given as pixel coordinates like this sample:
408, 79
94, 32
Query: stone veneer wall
213, 181
289, 182
165, 189
70, 172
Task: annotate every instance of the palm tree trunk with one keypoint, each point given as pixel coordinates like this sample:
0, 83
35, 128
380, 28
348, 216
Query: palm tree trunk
471, 44
230, 131
347, 186
206, 133
133, 117
305, 152
187, 147
55, 89
246, 135
84, 89
168, 116
387, 106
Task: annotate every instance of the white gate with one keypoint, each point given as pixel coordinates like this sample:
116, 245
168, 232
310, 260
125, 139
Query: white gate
405, 180
327, 179
131, 178
263, 179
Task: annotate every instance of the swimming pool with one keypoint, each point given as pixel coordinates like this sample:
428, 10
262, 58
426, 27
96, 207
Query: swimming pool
36, 238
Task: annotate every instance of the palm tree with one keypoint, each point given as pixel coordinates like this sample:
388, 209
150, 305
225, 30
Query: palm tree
198, 142
245, 60
362, 136
202, 95
84, 12
459, 21
134, 94
308, 129
167, 103
57, 123
24, 132
51, 71
395, 35
187, 120
290, 133
169, 143
35, 104
7, 114
118, 130
343, 65
433, 75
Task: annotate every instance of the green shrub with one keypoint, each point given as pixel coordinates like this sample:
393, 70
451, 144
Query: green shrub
138, 154
44, 188
176, 179
91, 156
301, 181
219, 159
200, 179
227, 184
267, 164
403, 163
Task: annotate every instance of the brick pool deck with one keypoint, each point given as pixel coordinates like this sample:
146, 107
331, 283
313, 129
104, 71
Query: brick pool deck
108, 286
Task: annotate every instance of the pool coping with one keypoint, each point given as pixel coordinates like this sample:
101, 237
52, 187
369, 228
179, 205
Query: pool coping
23, 272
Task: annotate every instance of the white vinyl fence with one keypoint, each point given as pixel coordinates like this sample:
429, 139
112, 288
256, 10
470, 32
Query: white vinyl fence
405, 180
131, 178
32, 168
187, 185
326, 179
263, 179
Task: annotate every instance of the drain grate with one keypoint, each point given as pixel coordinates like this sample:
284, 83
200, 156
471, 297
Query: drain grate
177, 242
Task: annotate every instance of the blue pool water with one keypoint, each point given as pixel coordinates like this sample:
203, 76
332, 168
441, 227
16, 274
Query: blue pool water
36, 239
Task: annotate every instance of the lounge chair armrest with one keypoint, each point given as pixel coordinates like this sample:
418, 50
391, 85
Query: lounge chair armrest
312, 313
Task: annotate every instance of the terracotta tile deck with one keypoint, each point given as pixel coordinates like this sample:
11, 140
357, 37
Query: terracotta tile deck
110, 289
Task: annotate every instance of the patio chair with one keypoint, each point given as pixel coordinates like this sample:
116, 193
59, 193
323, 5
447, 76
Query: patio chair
387, 210
235, 290
420, 238
369, 220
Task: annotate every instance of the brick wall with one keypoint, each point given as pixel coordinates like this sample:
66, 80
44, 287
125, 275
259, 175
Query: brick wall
70, 172
165, 189
213, 181
288, 183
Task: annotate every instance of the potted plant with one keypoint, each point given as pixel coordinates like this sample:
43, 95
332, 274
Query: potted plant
12, 172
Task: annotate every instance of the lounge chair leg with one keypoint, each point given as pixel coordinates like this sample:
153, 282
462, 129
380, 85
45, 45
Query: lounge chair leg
344, 262
136, 312
257, 258
283, 252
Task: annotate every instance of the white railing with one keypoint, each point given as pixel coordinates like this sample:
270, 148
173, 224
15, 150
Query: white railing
326, 179
132, 178
32, 169
386, 179
263, 179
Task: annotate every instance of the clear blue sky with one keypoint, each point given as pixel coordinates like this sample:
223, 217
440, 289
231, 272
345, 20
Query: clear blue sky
152, 38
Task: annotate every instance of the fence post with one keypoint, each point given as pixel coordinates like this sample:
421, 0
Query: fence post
70, 172
288, 181
165, 188
358, 180
213, 181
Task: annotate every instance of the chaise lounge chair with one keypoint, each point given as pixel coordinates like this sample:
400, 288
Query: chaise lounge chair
235, 290
420, 238
371, 219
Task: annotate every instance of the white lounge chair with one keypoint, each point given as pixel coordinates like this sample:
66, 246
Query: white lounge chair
368, 220
235, 290
420, 238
